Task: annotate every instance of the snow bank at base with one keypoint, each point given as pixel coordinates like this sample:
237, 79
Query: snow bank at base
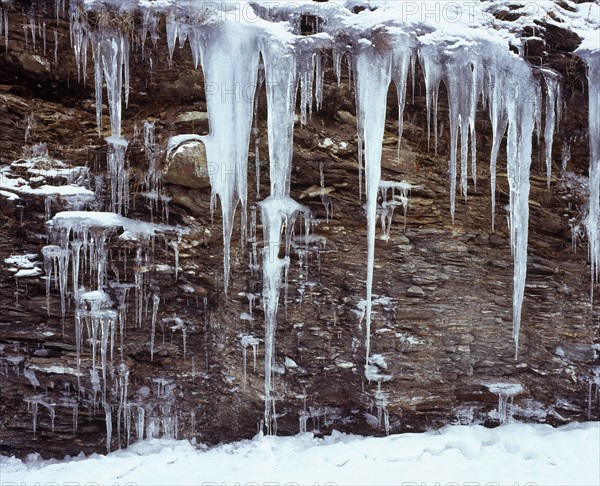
511, 454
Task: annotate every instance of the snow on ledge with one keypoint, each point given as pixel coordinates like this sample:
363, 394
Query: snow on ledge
83, 220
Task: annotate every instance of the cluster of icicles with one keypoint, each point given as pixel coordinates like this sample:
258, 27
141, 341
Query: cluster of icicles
80, 247
477, 73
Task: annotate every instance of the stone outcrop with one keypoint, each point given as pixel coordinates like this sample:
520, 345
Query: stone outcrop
442, 312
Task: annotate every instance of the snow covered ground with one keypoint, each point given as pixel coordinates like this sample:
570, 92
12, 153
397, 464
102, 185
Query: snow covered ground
512, 454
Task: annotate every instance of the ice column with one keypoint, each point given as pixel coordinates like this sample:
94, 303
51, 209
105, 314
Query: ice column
111, 62
522, 101
278, 211
373, 73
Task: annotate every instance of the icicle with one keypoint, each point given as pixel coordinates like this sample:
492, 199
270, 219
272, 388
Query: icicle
109, 53
34, 413
6, 31
98, 88
106, 323
230, 91
52, 412
31, 18
553, 103
565, 156
125, 49
306, 75
499, 121
521, 106
246, 341
373, 74
459, 78
117, 147
56, 260
79, 42
76, 250
403, 56
319, 80
174, 244
123, 383
172, 27
432, 68
337, 65
108, 419
75, 411
260, 80
476, 90
592, 59
155, 302
278, 211
140, 422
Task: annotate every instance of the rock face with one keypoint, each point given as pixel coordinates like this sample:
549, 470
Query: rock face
186, 166
441, 332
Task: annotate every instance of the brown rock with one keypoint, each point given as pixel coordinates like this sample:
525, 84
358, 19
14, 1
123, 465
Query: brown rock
187, 166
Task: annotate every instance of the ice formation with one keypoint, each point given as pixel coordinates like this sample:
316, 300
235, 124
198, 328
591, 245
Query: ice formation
506, 393
381, 45
591, 53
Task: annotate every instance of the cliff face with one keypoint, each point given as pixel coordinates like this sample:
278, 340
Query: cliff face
441, 326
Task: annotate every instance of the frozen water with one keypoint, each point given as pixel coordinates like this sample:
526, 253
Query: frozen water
373, 73
592, 57
506, 392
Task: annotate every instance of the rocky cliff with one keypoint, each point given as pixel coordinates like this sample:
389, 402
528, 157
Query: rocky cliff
189, 360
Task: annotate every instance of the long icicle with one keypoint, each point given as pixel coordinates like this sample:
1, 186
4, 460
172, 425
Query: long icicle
373, 73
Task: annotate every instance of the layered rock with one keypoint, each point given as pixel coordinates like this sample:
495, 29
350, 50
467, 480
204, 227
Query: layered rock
441, 330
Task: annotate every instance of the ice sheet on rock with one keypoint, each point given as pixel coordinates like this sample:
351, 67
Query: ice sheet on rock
175, 142
38, 175
19, 185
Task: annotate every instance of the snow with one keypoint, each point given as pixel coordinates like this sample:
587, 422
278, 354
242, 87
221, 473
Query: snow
39, 168
9, 195
33, 272
510, 454
20, 186
80, 220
